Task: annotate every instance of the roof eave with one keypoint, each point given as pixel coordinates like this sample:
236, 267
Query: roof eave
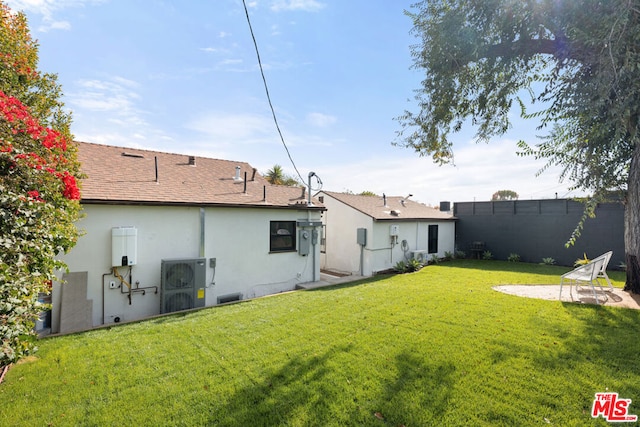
115, 202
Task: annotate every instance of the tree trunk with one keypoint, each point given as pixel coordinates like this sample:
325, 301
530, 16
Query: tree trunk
632, 225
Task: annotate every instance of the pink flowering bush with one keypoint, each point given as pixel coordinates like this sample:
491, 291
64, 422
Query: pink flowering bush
38, 206
39, 194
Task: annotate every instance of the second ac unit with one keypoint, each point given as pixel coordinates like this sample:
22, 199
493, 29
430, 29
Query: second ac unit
421, 256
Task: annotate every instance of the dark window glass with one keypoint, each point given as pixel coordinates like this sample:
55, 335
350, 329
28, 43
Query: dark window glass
433, 239
282, 236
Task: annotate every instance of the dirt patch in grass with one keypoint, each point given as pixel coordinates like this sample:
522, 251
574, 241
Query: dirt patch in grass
582, 295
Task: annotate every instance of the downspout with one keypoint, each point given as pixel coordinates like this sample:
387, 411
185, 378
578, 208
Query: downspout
201, 232
313, 246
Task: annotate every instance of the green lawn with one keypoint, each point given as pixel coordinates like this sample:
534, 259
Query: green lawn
434, 348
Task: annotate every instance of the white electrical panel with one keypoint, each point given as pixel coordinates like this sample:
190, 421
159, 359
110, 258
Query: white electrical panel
124, 246
394, 230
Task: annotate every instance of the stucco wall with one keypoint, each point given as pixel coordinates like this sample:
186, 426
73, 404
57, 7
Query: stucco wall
237, 237
383, 255
342, 249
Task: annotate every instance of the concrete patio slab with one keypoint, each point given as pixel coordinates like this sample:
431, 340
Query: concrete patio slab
583, 295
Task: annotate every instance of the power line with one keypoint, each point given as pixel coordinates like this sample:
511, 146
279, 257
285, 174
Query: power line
266, 88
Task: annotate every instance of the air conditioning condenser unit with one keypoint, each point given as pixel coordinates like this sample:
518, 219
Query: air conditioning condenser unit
183, 284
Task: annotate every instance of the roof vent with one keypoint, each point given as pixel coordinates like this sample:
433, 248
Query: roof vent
394, 213
192, 160
138, 156
237, 177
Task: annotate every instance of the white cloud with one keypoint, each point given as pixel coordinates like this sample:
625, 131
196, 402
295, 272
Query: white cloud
480, 171
230, 62
55, 25
101, 95
303, 5
108, 112
320, 120
232, 128
47, 9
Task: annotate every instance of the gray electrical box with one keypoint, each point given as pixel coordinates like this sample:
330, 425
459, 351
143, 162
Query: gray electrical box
304, 242
362, 236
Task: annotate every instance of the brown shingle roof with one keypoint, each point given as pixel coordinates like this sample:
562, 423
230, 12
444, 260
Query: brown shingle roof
128, 175
374, 207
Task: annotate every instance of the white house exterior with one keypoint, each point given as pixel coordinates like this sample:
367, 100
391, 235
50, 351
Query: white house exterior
395, 229
244, 237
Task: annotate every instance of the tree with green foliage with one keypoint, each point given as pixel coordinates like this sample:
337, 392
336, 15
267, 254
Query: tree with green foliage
276, 176
505, 195
39, 194
571, 65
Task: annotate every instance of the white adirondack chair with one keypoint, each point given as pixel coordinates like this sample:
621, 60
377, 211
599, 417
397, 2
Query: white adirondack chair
585, 274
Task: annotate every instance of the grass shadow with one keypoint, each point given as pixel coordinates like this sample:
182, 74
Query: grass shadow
298, 389
312, 391
420, 393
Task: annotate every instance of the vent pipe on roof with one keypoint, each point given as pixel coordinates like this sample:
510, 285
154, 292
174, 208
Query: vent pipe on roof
237, 177
245, 183
253, 177
384, 200
156, 160
264, 193
192, 160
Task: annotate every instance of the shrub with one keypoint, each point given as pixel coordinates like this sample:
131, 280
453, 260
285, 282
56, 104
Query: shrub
548, 261
400, 267
38, 189
448, 256
433, 259
461, 254
407, 266
513, 257
413, 265
487, 255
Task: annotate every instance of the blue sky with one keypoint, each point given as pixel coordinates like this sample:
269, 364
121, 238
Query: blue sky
182, 76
